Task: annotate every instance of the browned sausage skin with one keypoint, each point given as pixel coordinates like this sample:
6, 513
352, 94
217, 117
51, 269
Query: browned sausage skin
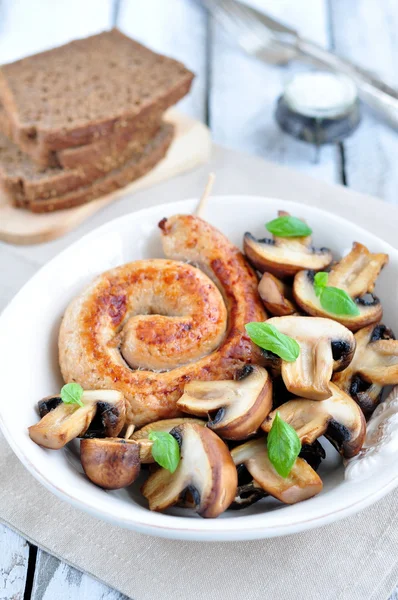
148, 327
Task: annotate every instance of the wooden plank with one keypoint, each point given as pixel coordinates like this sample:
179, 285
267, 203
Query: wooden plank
364, 31
244, 92
177, 29
24, 29
55, 580
14, 555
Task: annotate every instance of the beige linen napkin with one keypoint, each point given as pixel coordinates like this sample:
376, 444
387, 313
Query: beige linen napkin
355, 559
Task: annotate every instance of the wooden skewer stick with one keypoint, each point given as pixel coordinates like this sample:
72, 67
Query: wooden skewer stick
129, 431
205, 196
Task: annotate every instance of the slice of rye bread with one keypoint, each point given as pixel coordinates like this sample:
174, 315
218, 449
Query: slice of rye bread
137, 166
87, 89
22, 178
103, 153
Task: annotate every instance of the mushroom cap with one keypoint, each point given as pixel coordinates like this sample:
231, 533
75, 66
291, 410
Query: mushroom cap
339, 418
110, 463
241, 404
375, 364
369, 306
276, 296
325, 346
206, 470
302, 482
284, 257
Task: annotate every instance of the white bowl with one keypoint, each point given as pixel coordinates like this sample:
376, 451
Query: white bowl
28, 355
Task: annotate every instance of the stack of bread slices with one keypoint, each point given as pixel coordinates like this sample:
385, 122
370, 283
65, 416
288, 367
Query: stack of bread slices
84, 119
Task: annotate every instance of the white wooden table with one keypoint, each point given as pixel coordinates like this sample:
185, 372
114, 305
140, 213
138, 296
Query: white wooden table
235, 95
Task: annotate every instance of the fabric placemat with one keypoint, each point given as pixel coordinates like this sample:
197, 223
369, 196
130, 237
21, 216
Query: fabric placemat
355, 559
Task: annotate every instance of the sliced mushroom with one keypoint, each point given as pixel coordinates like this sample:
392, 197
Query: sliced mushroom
375, 364
206, 470
68, 421
250, 491
301, 483
164, 425
284, 257
111, 463
339, 418
277, 296
356, 274
141, 435
238, 406
325, 347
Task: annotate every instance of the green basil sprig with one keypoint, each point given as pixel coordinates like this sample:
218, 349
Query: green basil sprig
269, 338
165, 450
72, 393
288, 226
283, 446
333, 299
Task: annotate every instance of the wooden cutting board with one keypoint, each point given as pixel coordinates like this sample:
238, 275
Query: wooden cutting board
191, 147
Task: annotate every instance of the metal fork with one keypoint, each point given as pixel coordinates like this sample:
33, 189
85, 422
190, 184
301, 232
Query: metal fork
267, 39
244, 25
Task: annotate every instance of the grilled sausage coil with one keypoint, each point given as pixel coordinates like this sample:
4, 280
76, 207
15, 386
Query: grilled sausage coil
148, 327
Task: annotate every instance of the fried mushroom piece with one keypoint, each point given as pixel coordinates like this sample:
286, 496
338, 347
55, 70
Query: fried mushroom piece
236, 408
325, 347
277, 296
338, 418
141, 435
301, 483
62, 423
356, 274
249, 491
374, 365
111, 463
206, 471
284, 257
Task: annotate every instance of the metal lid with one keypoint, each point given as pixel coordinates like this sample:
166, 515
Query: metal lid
319, 94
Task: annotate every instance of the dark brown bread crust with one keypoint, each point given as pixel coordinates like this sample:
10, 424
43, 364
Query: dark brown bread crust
115, 80
27, 182
134, 168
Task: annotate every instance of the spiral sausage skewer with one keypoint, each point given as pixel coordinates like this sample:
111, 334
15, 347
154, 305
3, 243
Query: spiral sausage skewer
149, 327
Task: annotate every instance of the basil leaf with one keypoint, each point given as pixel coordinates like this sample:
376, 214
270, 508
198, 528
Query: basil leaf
165, 450
283, 446
268, 337
288, 226
72, 393
338, 302
320, 282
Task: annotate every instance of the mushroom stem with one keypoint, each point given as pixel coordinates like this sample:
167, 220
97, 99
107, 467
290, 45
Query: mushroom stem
311, 372
129, 431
